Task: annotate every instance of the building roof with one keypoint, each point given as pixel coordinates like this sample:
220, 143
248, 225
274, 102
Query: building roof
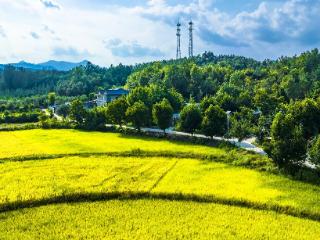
117, 91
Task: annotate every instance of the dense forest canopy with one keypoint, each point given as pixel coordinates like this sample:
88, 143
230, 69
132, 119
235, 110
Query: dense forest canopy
234, 82
82, 80
20, 82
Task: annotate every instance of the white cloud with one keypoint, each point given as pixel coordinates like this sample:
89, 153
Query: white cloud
271, 30
131, 49
35, 35
2, 32
50, 4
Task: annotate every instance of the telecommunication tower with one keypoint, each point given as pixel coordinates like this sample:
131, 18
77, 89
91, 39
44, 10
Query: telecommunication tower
190, 39
178, 40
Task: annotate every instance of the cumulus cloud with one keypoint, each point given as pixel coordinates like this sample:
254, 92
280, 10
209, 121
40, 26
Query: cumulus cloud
287, 22
69, 52
34, 35
47, 29
131, 49
222, 40
2, 32
292, 20
146, 32
49, 4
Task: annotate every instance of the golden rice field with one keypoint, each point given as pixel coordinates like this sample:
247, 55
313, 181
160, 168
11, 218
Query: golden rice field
150, 219
43, 179
142, 197
38, 141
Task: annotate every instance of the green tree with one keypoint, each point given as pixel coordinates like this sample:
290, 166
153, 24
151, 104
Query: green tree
178, 77
162, 114
265, 101
190, 118
240, 128
306, 113
77, 112
141, 94
214, 122
206, 102
288, 145
314, 151
43, 118
138, 114
52, 98
176, 99
242, 123
95, 119
116, 111
63, 110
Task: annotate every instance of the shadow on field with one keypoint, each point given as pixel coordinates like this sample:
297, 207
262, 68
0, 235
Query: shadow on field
251, 161
178, 140
94, 197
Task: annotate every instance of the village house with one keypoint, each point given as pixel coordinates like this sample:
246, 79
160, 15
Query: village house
110, 95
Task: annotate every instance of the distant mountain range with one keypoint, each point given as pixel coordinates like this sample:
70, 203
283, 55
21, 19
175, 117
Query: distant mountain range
50, 65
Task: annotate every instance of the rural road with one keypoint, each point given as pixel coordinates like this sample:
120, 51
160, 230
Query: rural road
246, 144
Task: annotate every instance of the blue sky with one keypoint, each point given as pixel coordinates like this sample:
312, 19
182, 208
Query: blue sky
133, 31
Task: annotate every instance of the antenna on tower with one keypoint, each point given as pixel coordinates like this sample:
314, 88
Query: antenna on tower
190, 39
178, 41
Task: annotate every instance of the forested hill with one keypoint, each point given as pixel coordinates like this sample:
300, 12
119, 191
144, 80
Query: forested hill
225, 77
50, 65
28, 79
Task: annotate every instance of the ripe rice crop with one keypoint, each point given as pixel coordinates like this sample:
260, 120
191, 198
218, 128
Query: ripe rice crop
152, 219
38, 141
52, 183
45, 179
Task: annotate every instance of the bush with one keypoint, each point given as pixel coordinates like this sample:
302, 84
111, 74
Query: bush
53, 123
95, 119
29, 117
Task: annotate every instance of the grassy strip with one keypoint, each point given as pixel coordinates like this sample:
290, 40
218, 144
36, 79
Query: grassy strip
94, 197
18, 127
236, 158
132, 153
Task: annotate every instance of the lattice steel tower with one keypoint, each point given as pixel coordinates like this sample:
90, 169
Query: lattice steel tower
190, 39
178, 40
